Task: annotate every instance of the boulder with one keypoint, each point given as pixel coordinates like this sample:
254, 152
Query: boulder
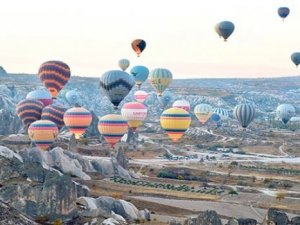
242, 221
205, 218
277, 217
295, 220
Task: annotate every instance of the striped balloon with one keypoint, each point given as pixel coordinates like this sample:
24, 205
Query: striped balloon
182, 104
29, 110
123, 64
138, 45
43, 133
112, 127
54, 75
140, 96
77, 120
245, 114
116, 85
42, 95
160, 79
135, 113
54, 113
223, 113
175, 122
203, 112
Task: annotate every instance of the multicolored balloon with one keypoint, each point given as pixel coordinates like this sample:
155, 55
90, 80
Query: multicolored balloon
203, 112
175, 122
54, 75
112, 127
41, 95
124, 64
182, 104
139, 74
285, 112
138, 45
245, 114
43, 133
72, 97
160, 79
54, 113
140, 96
116, 85
295, 57
135, 113
77, 120
29, 110
283, 12
224, 29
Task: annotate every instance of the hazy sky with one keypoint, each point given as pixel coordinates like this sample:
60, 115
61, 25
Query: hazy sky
92, 35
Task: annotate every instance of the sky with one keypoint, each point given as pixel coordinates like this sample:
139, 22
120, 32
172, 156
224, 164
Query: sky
92, 35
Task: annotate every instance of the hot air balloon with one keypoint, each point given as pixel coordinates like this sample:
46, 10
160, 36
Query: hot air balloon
160, 79
215, 117
54, 75
123, 64
203, 112
54, 113
166, 98
43, 133
77, 120
285, 112
283, 12
295, 57
116, 85
175, 122
41, 95
135, 113
224, 29
223, 113
72, 97
140, 96
244, 113
182, 104
29, 110
138, 45
112, 127
139, 74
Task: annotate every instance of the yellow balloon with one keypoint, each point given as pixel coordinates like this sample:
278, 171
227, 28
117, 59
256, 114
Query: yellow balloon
175, 122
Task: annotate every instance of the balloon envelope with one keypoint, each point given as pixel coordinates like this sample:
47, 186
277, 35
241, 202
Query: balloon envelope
223, 113
54, 75
29, 110
140, 96
224, 29
43, 133
166, 98
138, 45
112, 127
54, 113
175, 122
42, 95
215, 117
77, 120
203, 112
182, 104
123, 64
135, 113
116, 85
283, 12
160, 79
72, 97
285, 112
139, 74
245, 114
295, 57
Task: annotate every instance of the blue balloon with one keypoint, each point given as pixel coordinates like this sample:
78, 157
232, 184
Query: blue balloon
215, 117
139, 74
166, 98
72, 97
